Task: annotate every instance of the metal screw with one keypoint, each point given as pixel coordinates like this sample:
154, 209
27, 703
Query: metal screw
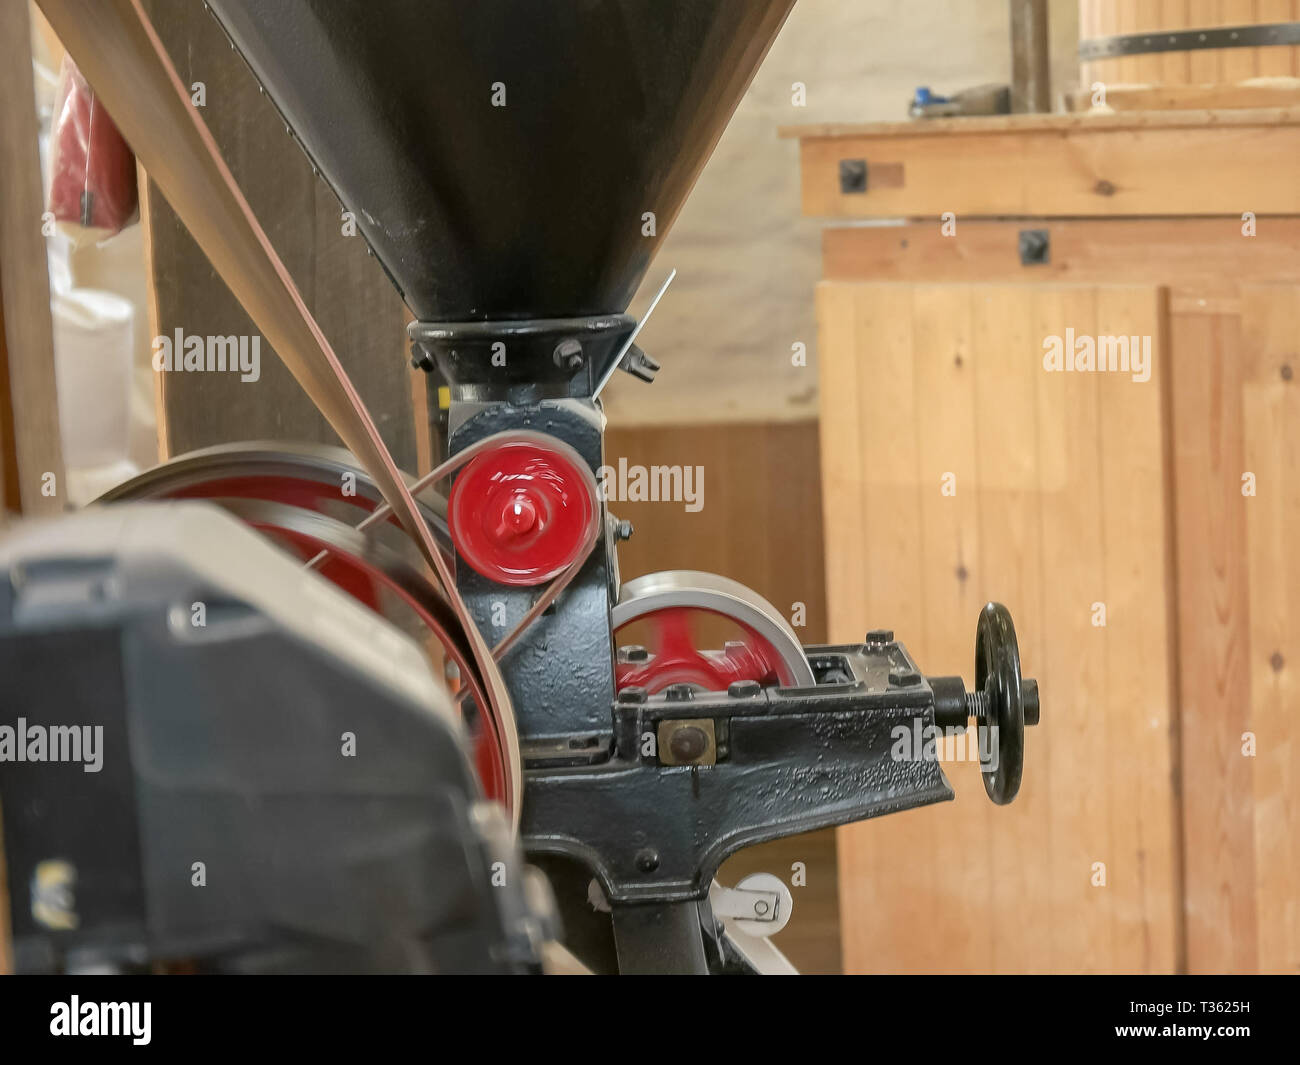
647, 860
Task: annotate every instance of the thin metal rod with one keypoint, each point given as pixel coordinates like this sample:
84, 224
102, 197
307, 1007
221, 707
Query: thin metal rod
627, 345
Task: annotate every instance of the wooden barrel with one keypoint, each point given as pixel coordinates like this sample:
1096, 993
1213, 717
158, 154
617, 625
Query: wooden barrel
1191, 76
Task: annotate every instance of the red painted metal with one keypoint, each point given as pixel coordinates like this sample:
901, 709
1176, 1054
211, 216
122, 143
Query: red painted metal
351, 573
363, 582
676, 659
520, 514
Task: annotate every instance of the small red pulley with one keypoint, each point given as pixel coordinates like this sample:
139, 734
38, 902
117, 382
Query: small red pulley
523, 512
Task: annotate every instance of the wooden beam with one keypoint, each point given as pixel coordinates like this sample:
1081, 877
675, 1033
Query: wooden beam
1081, 165
1031, 74
1215, 781
30, 422
1284, 92
1197, 258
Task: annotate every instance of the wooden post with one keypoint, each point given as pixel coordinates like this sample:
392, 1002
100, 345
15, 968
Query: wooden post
1031, 74
29, 415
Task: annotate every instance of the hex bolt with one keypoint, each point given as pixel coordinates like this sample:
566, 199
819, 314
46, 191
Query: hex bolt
623, 530
633, 652
742, 689
679, 693
568, 355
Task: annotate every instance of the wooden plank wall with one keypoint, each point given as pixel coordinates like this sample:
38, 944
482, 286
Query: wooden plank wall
1271, 419
303, 220
1227, 294
1214, 640
1060, 504
760, 525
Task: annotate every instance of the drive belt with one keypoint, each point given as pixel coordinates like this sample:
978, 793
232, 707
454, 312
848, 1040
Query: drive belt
121, 55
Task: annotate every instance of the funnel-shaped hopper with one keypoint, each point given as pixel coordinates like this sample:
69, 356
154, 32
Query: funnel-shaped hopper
502, 156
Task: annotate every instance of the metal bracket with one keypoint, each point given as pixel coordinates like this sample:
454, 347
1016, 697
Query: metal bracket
794, 759
1035, 247
853, 176
1256, 36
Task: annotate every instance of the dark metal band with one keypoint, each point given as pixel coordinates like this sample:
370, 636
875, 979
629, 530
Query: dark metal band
1256, 36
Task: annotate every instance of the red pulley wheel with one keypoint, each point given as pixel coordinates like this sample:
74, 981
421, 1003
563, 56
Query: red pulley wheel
521, 513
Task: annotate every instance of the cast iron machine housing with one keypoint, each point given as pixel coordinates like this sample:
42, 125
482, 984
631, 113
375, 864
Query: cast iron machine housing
514, 166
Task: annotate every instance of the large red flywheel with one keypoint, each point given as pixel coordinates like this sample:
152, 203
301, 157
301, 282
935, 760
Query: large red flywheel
309, 499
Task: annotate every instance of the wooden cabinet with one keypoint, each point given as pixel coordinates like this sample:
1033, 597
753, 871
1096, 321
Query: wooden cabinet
1169, 749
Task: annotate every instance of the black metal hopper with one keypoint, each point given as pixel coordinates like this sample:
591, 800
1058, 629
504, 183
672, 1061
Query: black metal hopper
534, 209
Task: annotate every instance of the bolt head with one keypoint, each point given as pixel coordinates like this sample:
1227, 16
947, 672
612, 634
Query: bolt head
568, 355
688, 743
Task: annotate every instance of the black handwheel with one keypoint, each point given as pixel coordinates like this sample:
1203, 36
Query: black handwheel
1003, 700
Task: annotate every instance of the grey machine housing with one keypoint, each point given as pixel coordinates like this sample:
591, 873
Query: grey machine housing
281, 787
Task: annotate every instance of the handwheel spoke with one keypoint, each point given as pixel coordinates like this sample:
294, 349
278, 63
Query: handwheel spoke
674, 656
674, 639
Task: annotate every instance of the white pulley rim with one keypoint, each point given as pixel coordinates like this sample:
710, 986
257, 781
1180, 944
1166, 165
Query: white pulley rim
721, 595
762, 925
